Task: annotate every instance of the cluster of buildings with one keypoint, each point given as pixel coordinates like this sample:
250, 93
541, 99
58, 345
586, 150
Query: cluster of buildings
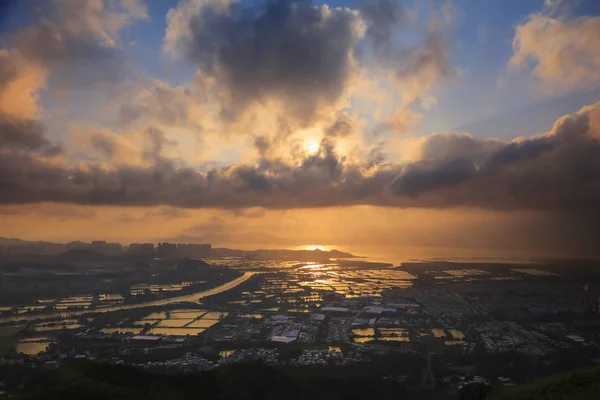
506, 336
108, 248
166, 249
184, 250
187, 363
268, 356
320, 357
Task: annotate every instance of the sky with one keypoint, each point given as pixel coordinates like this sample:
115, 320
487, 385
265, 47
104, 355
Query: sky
417, 127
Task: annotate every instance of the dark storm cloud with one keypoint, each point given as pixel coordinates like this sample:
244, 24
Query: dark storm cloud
284, 49
382, 17
557, 172
8, 70
249, 213
104, 144
422, 177
430, 58
17, 132
76, 40
168, 213
262, 145
21, 134
452, 146
343, 126
158, 142
168, 105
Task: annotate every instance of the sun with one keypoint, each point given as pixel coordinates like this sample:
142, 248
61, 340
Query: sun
312, 247
311, 146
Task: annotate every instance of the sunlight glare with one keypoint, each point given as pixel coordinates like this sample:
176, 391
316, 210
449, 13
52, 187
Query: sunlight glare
311, 146
315, 247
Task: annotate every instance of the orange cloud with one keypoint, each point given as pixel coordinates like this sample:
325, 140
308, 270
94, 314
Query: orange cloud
563, 51
20, 82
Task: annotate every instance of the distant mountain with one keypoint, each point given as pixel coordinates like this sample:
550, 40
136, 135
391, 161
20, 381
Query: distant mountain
184, 239
295, 255
80, 254
18, 242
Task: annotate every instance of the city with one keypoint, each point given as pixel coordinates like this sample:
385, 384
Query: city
463, 322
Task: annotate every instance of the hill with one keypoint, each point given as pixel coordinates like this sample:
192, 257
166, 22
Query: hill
91, 381
282, 254
578, 385
12, 241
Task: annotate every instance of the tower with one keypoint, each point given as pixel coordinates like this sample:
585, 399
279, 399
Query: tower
428, 380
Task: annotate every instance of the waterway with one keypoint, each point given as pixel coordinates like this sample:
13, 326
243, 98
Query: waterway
190, 298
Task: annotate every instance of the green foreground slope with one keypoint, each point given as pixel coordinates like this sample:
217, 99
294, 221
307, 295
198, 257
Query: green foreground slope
579, 385
91, 381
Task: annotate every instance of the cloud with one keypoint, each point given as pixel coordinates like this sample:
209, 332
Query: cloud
451, 146
561, 49
77, 41
542, 172
65, 212
215, 226
284, 51
303, 62
343, 126
157, 102
382, 18
19, 83
249, 212
555, 171
169, 213
21, 134
107, 146
416, 68
425, 66
13, 210
401, 119
67, 40
127, 219
302, 59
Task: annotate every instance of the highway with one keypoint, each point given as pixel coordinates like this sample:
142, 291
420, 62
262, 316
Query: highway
192, 298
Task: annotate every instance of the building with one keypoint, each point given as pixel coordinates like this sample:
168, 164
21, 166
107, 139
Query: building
194, 250
109, 249
167, 249
141, 248
184, 250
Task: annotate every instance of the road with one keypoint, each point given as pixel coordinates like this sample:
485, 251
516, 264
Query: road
193, 298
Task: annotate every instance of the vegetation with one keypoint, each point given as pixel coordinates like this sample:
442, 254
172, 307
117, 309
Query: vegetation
7, 343
7, 340
255, 380
90, 381
579, 385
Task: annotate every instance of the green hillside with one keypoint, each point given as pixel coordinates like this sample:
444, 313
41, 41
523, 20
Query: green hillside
579, 385
91, 381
